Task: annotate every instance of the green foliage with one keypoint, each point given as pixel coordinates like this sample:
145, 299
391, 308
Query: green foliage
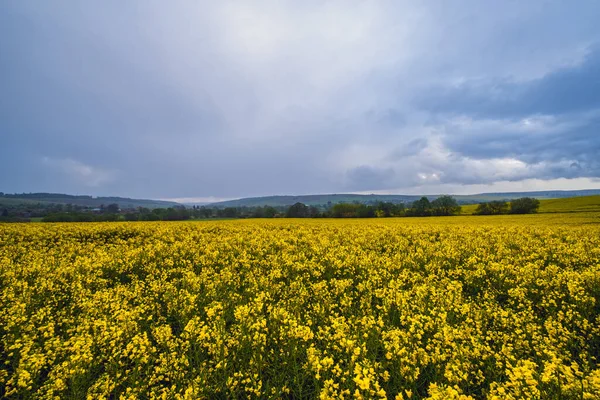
420, 208
524, 205
445, 205
364, 211
344, 210
298, 210
387, 209
264, 212
492, 208
112, 208
270, 212
79, 217
440, 206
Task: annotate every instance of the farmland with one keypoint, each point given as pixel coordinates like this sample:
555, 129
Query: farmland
500, 307
560, 205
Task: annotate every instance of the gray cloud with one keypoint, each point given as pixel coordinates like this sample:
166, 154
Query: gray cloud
552, 121
367, 177
565, 90
236, 99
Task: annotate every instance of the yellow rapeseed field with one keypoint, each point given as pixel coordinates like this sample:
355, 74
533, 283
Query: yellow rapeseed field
441, 308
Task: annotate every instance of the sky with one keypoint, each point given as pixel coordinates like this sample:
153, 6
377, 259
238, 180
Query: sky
211, 100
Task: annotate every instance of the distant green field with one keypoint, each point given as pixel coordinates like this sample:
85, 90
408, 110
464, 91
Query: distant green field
571, 204
566, 205
468, 209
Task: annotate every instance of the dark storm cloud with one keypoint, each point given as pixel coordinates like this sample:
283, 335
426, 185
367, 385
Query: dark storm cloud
566, 90
571, 136
551, 123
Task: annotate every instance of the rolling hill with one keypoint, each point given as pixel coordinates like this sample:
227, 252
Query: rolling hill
551, 201
8, 200
313, 200
324, 199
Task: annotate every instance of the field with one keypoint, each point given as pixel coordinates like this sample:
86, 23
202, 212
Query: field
574, 204
569, 205
504, 307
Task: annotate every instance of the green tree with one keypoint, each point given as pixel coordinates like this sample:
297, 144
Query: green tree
132, 216
258, 212
206, 212
445, 205
524, 205
364, 211
492, 208
344, 210
298, 210
229, 212
313, 212
270, 212
421, 207
112, 208
385, 209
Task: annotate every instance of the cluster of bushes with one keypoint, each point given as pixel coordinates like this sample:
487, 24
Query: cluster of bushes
6, 216
79, 217
13, 219
23, 212
444, 205
524, 205
113, 213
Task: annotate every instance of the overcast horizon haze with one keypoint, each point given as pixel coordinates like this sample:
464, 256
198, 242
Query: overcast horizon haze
223, 100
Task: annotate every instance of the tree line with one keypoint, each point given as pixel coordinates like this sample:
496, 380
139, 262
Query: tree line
441, 206
444, 205
524, 205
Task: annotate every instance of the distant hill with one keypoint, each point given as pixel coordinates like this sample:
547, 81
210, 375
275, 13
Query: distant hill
83, 201
312, 200
9, 200
324, 199
559, 205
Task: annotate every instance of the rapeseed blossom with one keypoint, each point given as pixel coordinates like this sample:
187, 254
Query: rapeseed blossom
504, 308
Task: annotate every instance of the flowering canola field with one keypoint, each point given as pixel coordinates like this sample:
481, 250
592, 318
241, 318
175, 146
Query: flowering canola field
440, 308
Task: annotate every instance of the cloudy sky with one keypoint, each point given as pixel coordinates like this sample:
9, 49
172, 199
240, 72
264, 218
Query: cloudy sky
219, 99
